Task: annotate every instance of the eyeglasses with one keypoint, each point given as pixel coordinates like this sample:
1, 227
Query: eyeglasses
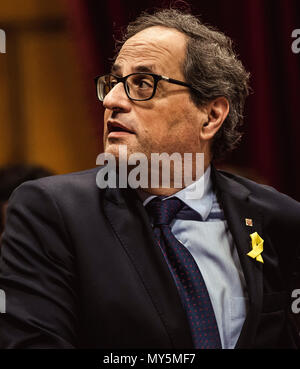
138, 86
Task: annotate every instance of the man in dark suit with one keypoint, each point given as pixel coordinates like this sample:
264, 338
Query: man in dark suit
82, 267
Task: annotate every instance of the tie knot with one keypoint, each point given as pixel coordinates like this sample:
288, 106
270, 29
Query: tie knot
163, 212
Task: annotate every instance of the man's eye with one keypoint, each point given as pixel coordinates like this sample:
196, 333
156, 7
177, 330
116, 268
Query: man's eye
113, 83
142, 82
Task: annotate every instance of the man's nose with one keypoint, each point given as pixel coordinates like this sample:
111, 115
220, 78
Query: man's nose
117, 99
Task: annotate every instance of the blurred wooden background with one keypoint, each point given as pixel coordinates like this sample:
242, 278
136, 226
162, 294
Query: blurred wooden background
44, 114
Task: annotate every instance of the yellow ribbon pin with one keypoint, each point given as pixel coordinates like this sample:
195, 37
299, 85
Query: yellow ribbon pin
257, 247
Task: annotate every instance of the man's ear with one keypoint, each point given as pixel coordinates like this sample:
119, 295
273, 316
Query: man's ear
217, 111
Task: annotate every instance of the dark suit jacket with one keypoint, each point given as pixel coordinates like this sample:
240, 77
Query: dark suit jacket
80, 268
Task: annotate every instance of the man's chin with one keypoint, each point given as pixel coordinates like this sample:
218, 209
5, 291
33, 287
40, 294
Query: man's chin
122, 150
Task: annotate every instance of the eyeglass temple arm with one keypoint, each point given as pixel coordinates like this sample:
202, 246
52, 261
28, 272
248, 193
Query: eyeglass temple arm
176, 82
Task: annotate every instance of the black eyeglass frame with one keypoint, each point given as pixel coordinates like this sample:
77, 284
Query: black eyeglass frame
156, 77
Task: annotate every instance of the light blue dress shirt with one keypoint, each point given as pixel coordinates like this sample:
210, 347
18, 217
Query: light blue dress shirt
211, 244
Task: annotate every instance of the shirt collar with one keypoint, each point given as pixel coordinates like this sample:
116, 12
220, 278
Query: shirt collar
201, 204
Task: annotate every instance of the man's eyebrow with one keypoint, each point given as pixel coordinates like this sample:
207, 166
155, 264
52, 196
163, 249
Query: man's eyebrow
144, 68
115, 68
139, 68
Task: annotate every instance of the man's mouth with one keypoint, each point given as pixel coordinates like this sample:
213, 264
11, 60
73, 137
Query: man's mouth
116, 129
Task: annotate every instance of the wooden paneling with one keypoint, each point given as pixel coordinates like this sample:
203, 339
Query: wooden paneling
58, 131
6, 134
22, 10
44, 117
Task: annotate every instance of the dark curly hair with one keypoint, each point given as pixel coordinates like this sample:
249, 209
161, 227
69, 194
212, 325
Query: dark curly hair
211, 66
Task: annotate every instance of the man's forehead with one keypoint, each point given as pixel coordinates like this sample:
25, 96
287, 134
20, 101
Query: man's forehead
151, 49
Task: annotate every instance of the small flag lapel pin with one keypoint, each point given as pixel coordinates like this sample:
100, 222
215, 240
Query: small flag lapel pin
249, 222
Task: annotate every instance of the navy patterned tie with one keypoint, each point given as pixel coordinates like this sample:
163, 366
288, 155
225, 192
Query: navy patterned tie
187, 276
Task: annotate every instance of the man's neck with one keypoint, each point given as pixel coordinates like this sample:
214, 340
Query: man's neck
169, 191
172, 189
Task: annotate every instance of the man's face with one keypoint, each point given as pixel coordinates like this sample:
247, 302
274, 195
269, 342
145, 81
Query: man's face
169, 122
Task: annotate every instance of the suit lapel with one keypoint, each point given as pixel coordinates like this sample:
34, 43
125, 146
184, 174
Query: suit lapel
130, 223
237, 205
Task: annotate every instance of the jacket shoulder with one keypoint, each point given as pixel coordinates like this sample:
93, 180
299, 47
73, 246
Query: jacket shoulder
63, 184
82, 178
266, 196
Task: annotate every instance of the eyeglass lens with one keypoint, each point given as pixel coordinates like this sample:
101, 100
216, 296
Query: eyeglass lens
138, 86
